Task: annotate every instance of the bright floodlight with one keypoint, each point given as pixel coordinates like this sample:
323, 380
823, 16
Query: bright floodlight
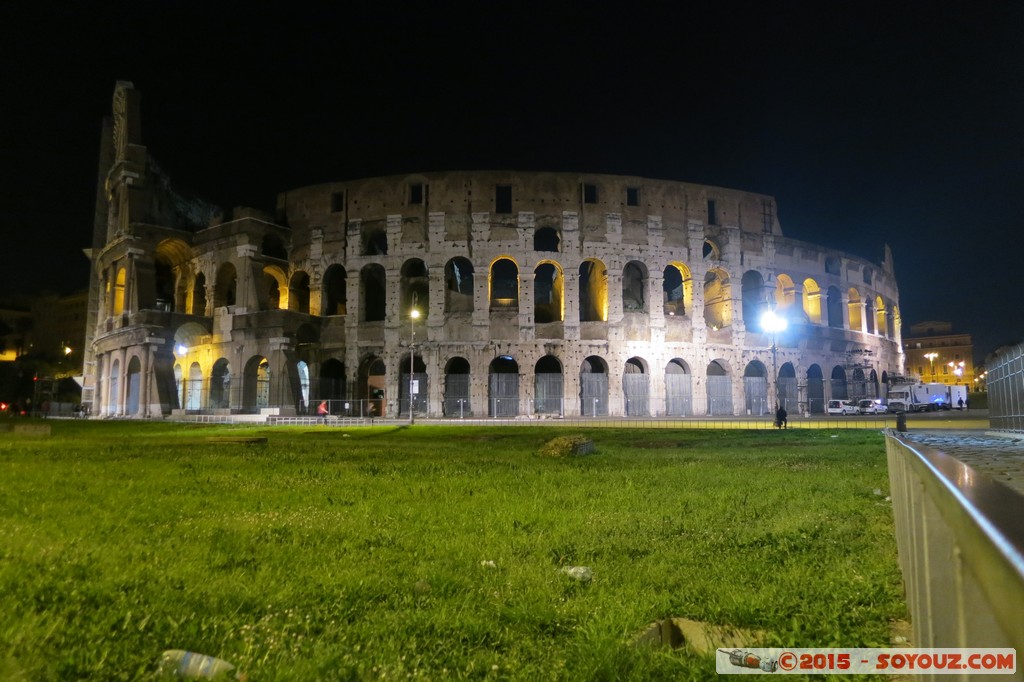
415, 314
773, 323
182, 349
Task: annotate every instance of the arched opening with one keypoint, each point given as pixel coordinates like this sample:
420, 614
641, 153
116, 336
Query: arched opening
171, 269
256, 385
812, 301
456, 388
755, 389
179, 387
199, 295
458, 285
717, 299
133, 387
835, 308
114, 388
593, 283
636, 388
634, 288
677, 289
194, 388
547, 293
787, 387
302, 369
839, 386
335, 292
224, 289
415, 291
833, 265
711, 251
371, 387
163, 272
417, 385
547, 239
856, 308
754, 304
858, 386
332, 386
880, 317
373, 294
275, 291
719, 385
785, 292
594, 387
504, 285
119, 287
298, 293
678, 389
874, 387
503, 387
815, 390
548, 386
220, 385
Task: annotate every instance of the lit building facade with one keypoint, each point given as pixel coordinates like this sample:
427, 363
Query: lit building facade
937, 355
538, 294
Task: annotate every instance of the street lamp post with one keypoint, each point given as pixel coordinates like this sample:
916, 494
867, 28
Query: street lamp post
773, 324
413, 316
931, 361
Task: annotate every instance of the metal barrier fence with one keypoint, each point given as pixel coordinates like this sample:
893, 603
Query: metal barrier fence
1005, 382
960, 537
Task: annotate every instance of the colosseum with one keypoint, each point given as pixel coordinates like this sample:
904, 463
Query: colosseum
469, 294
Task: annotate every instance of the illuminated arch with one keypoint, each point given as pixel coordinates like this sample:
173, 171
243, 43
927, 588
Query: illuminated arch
856, 309
548, 292
275, 285
504, 284
785, 292
812, 301
717, 299
677, 289
593, 288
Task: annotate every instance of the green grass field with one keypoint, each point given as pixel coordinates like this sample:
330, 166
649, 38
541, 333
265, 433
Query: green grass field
366, 552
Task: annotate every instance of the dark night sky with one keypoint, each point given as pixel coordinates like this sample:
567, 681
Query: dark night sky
871, 123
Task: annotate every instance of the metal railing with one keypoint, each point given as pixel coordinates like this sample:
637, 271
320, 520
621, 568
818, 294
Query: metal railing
960, 537
1005, 382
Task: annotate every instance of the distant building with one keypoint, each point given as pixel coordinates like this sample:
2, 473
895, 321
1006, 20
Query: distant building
15, 323
937, 355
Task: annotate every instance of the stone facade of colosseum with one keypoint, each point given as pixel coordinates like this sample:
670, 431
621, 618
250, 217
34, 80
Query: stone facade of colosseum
538, 294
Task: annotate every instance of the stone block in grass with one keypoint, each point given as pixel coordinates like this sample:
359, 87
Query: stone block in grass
567, 446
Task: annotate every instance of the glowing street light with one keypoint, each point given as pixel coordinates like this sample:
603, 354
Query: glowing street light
958, 368
931, 360
413, 316
773, 324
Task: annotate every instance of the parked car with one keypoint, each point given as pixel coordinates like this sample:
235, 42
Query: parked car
840, 407
868, 406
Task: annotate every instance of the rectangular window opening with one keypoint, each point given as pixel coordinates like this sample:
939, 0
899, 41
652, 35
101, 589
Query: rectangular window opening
712, 213
416, 193
632, 196
589, 193
503, 199
337, 202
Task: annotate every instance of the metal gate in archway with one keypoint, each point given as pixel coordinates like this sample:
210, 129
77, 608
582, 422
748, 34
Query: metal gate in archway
755, 394
635, 389
719, 396
456, 395
594, 394
547, 393
503, 395
678, 395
